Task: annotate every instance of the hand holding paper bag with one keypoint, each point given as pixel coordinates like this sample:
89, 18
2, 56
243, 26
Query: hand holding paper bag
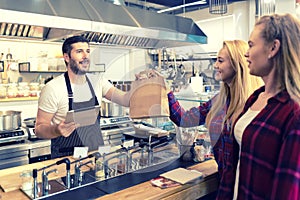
149, 96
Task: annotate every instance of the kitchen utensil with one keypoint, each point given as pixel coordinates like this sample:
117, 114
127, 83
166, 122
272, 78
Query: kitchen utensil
30, 122
10, 119
110, 109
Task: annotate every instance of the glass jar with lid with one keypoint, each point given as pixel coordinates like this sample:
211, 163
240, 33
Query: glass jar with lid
3, 91
23, 89
34, 89
27, 182
12, 90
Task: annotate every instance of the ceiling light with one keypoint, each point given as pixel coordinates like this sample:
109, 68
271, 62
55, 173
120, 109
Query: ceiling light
266, 7
183, 6
218, 6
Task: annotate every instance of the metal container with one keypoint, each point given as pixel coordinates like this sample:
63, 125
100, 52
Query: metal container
1, 123
10, 120
109, 109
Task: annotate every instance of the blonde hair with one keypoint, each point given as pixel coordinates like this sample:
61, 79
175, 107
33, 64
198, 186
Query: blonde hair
286, 29
242, 85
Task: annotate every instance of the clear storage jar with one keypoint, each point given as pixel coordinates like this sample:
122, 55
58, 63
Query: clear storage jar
12, 90
3, 91
23, 89
27, 182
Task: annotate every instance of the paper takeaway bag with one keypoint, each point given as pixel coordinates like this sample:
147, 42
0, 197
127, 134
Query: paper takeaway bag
149, 98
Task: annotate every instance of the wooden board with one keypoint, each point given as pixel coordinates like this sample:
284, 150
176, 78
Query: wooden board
183, 176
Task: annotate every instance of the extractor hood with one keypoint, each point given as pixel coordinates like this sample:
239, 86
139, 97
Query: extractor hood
99, 21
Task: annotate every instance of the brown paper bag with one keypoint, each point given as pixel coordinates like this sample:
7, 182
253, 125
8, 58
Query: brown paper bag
149, 98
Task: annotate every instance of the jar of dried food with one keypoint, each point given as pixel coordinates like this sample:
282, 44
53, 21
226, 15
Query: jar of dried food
3, 91
23, 89
12, 90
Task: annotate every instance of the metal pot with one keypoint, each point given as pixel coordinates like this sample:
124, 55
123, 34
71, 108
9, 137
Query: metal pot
109, 109
10, 120
30, 122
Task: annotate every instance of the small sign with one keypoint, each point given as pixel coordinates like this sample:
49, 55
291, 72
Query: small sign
104, 149
80, 152
128, 143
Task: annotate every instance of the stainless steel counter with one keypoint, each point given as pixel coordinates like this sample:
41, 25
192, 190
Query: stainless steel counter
25, 152
25, 146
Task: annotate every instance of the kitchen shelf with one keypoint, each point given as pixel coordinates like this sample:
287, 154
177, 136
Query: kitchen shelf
19, 99
44, 72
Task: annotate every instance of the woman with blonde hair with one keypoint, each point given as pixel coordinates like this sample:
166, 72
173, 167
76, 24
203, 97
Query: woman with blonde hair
220, 112
267, 133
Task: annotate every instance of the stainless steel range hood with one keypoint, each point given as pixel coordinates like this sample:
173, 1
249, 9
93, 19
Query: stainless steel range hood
99, 21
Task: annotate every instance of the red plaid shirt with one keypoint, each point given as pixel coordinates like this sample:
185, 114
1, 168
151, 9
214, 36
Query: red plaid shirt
270, 154
224, 141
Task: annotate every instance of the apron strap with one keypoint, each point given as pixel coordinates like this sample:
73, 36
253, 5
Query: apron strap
92, 91
70, 93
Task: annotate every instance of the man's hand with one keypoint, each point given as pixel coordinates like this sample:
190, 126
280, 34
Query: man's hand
45, 128
65, 129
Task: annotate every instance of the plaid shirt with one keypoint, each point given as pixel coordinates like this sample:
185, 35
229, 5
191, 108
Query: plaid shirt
270, 154
223, 140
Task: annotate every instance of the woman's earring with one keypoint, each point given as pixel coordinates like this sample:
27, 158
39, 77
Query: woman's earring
269, 56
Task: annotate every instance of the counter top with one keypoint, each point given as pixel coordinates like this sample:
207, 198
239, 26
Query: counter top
26, 145
134, 185
192, 190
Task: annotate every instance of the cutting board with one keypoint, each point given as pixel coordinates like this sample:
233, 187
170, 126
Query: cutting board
182, 176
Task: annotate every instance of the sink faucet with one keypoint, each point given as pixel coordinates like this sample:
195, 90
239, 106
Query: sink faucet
102, 167
123, 167
68, 175
79, 173
151, 151
45, 183
35, 184
130, 162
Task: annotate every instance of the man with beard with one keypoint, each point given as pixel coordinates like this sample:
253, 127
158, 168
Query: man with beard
74, 90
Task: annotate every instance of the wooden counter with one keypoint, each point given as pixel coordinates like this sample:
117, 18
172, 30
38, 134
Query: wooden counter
10, 180
187, 191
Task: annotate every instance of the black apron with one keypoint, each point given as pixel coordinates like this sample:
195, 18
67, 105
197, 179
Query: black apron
86, 136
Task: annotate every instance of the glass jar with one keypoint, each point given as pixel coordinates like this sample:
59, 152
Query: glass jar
12, 90
121, 166
23, 89
3, 91
34, 89
99, 170
27, 182
34, 86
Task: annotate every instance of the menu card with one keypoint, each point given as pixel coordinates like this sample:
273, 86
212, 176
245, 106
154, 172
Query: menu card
182, 176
